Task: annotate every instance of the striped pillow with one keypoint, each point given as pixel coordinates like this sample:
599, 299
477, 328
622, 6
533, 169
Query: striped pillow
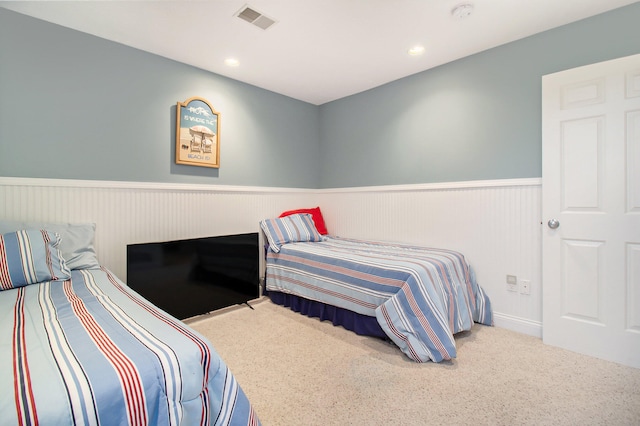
289, 229
30, 257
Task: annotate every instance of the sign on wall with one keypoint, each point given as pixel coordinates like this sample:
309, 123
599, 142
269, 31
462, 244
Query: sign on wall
197, 133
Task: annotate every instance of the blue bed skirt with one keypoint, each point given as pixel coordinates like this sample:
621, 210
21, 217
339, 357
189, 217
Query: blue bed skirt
358, 323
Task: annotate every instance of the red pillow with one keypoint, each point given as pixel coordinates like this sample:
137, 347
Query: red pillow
315, 213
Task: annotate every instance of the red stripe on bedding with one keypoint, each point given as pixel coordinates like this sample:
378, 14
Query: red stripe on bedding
253, 418
5, 278
387, 319
23, 391
128, 375
48, 261
433, 337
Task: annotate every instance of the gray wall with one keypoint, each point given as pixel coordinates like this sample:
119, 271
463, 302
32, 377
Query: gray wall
79, 107
473, 119
74, 106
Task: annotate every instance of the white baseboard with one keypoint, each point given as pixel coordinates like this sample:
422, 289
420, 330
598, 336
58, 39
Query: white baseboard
521, 325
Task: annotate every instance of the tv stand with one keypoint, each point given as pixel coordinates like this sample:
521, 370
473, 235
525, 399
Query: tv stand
247, 303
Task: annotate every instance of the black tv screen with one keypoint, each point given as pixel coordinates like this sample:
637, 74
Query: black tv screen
191, 277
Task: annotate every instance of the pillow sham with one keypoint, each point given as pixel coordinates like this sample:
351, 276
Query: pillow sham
76, 240
289, 229
315, 212
30, 256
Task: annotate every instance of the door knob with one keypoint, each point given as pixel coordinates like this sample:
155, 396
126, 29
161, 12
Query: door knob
553, 224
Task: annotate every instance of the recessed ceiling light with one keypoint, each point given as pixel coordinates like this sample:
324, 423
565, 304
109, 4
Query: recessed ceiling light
416, 50
461, 11
232, 62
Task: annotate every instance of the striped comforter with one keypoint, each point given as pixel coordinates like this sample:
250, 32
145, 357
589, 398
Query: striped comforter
421, 297
90, 351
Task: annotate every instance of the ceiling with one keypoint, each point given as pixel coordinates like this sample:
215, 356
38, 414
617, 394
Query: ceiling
317, 50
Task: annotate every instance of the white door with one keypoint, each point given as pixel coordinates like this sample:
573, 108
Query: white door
591, 187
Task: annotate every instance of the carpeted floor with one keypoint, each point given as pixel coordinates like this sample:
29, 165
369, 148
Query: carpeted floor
300, 371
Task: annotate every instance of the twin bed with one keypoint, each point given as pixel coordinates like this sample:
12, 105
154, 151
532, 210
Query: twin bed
81, 348
415, 296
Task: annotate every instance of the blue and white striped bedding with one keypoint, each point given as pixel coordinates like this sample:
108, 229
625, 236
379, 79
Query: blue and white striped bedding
420, 296
90, 351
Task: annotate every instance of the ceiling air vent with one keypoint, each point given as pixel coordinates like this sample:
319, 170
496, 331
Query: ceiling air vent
254, 17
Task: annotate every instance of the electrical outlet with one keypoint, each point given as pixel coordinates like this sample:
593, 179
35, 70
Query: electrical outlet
525, 287
512, 283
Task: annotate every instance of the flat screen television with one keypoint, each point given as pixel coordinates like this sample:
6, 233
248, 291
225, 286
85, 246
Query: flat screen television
191, 277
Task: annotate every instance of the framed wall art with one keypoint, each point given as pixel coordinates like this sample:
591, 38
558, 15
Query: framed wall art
197, 133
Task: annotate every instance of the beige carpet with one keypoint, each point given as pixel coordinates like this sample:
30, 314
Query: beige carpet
300, 371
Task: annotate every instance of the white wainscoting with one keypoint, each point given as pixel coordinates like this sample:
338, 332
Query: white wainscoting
496, 224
